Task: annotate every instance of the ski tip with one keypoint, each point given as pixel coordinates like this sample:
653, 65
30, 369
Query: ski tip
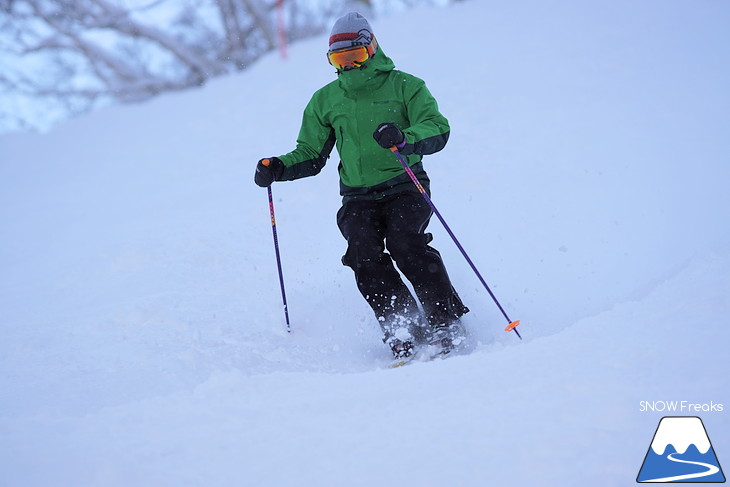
399, 363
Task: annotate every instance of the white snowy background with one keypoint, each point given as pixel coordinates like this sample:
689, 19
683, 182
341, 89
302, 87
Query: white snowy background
142, 338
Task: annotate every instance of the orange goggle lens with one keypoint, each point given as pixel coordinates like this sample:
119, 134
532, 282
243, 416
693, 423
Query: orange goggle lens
352, 58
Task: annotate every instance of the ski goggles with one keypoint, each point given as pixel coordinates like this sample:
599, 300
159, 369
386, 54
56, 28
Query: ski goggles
352, 57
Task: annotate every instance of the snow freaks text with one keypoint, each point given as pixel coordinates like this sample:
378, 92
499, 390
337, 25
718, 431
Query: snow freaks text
680, 407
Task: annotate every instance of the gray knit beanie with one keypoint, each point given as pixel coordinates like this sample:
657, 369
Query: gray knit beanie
350, 30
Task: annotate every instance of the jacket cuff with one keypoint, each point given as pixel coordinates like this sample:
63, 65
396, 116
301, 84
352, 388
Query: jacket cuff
406, 149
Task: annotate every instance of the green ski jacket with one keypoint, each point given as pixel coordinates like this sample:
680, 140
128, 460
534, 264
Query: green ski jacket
347, 111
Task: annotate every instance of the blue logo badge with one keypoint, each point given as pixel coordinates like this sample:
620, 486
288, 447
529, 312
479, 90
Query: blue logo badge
680, 452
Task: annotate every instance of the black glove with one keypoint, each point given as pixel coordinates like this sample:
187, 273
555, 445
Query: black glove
267, 171
388, 135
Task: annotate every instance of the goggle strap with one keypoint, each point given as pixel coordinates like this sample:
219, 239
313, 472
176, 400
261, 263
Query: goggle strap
372, 47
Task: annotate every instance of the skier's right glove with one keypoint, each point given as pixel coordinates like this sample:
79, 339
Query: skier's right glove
388, 135
267, 171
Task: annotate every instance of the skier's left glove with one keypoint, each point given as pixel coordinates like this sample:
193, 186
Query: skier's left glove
389, 135
267, 171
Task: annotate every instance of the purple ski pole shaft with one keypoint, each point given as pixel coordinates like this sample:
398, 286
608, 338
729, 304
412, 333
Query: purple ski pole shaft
278, 260
512, 324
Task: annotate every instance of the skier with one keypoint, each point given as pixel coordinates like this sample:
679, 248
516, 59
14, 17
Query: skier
381, 207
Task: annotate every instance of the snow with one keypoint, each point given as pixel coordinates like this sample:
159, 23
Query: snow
143, 338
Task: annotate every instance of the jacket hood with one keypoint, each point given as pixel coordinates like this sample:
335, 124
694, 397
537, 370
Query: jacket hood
367, 76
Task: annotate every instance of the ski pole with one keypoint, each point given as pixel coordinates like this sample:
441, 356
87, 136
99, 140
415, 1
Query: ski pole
512, 326
266, 162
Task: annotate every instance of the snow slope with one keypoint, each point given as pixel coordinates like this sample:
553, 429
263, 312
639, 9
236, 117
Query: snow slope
143, 340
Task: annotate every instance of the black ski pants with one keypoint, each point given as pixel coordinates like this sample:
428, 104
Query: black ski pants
397, 223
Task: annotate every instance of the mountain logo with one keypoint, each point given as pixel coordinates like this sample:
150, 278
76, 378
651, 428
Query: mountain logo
680, 452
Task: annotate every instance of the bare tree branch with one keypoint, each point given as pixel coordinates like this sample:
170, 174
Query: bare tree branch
79, 52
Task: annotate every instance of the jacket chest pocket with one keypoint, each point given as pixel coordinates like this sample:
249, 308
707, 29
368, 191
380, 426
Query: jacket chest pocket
393, 111
342, 119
